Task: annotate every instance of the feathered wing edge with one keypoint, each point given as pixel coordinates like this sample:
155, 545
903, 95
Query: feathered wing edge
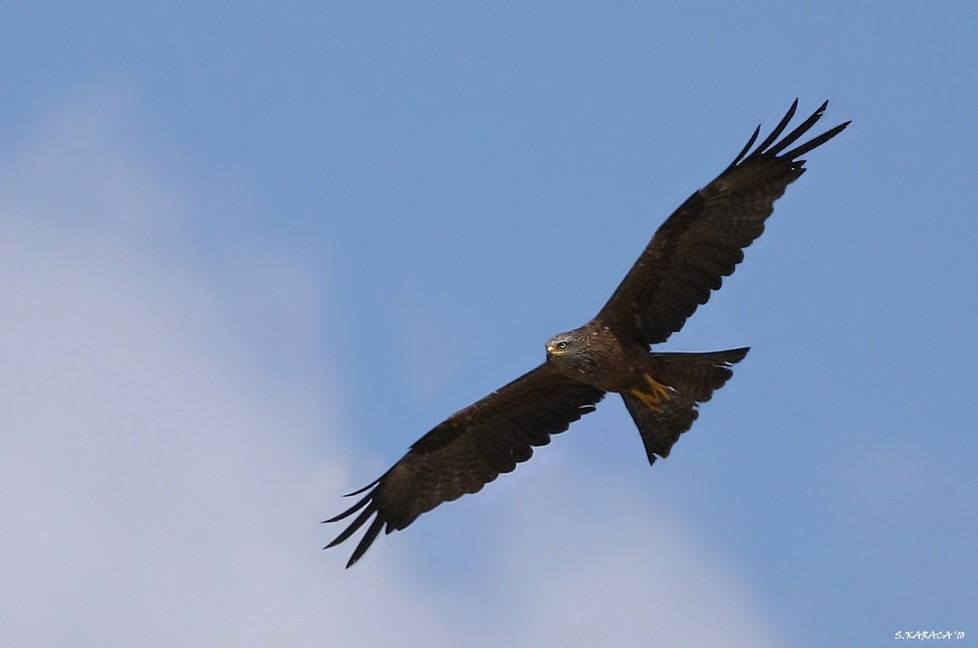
468, 450
790, 138
686, 233
369, 508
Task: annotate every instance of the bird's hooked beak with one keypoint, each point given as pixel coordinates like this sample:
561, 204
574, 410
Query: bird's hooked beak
552, 350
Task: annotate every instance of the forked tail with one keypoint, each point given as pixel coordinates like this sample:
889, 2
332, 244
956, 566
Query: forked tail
691, 378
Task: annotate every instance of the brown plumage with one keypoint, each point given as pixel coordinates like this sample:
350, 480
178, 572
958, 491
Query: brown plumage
698, 245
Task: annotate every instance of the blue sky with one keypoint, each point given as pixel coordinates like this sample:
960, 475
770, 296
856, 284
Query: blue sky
248, 254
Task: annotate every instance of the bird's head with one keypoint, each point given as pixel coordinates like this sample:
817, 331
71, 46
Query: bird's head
566, 344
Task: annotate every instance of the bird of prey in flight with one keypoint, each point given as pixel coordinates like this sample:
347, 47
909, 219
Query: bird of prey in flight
698, 245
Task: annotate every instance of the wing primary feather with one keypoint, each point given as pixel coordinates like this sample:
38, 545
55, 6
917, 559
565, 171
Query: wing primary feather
354, 526
753, 138
818, 141
353, 509
365, 542
361, 490
777, 131
798, 132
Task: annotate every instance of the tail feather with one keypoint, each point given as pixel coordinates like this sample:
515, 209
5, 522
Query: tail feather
691, 378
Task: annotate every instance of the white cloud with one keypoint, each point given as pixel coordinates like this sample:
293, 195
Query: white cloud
620, 572
158, 487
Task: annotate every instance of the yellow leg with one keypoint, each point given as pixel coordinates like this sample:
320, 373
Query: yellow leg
657, 393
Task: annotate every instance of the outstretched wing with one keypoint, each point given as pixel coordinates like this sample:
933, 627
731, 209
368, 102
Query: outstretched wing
703, 240
469, 450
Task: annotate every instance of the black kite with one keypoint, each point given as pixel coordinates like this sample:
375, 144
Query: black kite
691, 252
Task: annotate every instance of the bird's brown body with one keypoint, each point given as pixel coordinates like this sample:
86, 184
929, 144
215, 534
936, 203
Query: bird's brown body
596, 356
698, 245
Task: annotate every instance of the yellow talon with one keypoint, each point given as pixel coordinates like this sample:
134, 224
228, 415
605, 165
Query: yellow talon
659, 390
657, 393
